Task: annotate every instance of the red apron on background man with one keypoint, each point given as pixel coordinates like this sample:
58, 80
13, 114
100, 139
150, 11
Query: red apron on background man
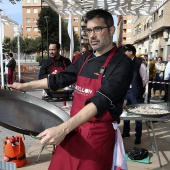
10, 76
91, 145
58, 69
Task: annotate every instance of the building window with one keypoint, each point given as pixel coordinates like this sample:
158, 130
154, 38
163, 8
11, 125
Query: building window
35, 1
66, 19
28, 29
161, 14
35, 20
27, 1
128, 39
29, 36
28, 20
124, 21
35, 36
27, 10
75, 29
35, 10
35, 29
129, 21
129, 30
75, 19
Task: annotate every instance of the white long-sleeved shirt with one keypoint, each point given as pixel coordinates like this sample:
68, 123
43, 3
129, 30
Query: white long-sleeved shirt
143, 74
167, 72
6, 61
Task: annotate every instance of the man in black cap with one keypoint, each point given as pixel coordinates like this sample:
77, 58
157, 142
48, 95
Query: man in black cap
136, 90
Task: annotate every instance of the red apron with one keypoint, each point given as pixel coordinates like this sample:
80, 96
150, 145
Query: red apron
91, 145
10, 76
58, 69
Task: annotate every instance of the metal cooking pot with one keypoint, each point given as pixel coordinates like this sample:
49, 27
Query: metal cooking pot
24, 113
155, 106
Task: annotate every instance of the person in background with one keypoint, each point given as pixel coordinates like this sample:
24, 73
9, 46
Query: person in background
5, 61
84, 49
54, 64
136, 91
102, 77
160, 68
11, 68
166, 79
152, 74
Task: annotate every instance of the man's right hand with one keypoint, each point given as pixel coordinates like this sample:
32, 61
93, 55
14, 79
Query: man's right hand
17, 86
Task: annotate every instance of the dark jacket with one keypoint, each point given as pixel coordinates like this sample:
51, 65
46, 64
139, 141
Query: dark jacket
115, 83
11, 64
137, 84
46, 67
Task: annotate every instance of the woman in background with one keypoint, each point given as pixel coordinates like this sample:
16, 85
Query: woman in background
160, 68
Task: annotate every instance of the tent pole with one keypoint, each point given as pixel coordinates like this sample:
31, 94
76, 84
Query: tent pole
60, 33
149, 54
19, 64
1, 55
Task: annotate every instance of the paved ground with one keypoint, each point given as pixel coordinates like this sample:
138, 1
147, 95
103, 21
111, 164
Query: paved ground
162, 135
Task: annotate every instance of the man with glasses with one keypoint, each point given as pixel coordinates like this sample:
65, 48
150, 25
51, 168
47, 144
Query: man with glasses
136, 90
102, 78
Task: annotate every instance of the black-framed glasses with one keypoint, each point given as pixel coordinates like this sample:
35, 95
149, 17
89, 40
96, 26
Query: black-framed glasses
96, 30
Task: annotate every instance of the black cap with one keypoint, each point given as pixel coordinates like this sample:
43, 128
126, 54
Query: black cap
129, 47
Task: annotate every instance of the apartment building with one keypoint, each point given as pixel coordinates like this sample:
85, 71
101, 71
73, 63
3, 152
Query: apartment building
9, 27
124, 30
30, 10
160, 29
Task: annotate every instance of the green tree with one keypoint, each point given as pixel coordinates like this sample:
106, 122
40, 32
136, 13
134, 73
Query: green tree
53, 28
7, 44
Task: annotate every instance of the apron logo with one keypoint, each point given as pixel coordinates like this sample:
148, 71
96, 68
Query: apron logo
83, 90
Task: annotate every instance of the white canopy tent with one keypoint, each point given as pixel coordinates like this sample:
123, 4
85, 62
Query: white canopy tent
116, 7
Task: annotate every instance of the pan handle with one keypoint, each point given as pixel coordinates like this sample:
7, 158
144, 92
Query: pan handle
10, 88
35, 137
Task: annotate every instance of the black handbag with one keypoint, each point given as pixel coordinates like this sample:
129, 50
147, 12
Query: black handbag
138, 154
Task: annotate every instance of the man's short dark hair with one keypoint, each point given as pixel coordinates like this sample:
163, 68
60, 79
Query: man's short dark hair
56, 43
129, 47
100, 13
10, 54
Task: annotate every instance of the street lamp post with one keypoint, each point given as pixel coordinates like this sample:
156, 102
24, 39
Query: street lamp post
47, 18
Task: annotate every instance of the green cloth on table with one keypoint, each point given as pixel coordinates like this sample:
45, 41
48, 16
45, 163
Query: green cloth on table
146, 160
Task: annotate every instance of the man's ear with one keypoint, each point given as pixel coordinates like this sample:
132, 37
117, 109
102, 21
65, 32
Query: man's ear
112, 30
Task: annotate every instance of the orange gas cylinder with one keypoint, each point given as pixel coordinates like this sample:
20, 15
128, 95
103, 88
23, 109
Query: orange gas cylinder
14, 150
